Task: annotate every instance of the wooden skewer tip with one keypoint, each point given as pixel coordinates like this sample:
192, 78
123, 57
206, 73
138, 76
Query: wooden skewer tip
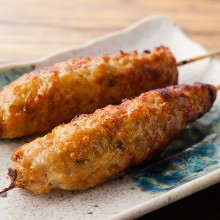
209, 54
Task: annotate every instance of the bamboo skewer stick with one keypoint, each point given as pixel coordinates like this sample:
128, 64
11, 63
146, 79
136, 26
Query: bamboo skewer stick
209, 54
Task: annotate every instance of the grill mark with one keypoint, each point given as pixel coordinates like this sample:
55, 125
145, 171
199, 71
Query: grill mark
165, 94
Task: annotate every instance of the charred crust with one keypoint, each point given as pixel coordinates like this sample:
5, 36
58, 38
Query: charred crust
13, 174
147, 51
165, 94
211, 90
212, 93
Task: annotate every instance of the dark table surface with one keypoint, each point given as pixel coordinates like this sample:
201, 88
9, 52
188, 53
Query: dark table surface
199, 206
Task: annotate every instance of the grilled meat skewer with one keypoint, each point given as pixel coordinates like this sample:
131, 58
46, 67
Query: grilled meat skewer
43, 99
92, 148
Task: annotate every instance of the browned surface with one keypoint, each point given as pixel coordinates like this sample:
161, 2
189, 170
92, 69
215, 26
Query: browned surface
92, 148
31, 29
39, 101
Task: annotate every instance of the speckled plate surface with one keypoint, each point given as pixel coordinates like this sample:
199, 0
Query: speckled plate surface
191, 163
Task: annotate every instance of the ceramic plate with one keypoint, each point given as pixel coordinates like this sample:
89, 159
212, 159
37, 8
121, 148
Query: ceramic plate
191, 163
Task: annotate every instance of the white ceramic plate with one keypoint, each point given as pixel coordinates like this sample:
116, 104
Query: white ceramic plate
190, 164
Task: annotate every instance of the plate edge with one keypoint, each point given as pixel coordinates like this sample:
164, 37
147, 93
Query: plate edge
171, 196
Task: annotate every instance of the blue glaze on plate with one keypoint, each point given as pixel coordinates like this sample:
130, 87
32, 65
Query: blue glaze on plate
175, 171
9, 75
183, 162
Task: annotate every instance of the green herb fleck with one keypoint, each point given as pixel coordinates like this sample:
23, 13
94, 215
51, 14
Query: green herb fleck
119, 145
80, 161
